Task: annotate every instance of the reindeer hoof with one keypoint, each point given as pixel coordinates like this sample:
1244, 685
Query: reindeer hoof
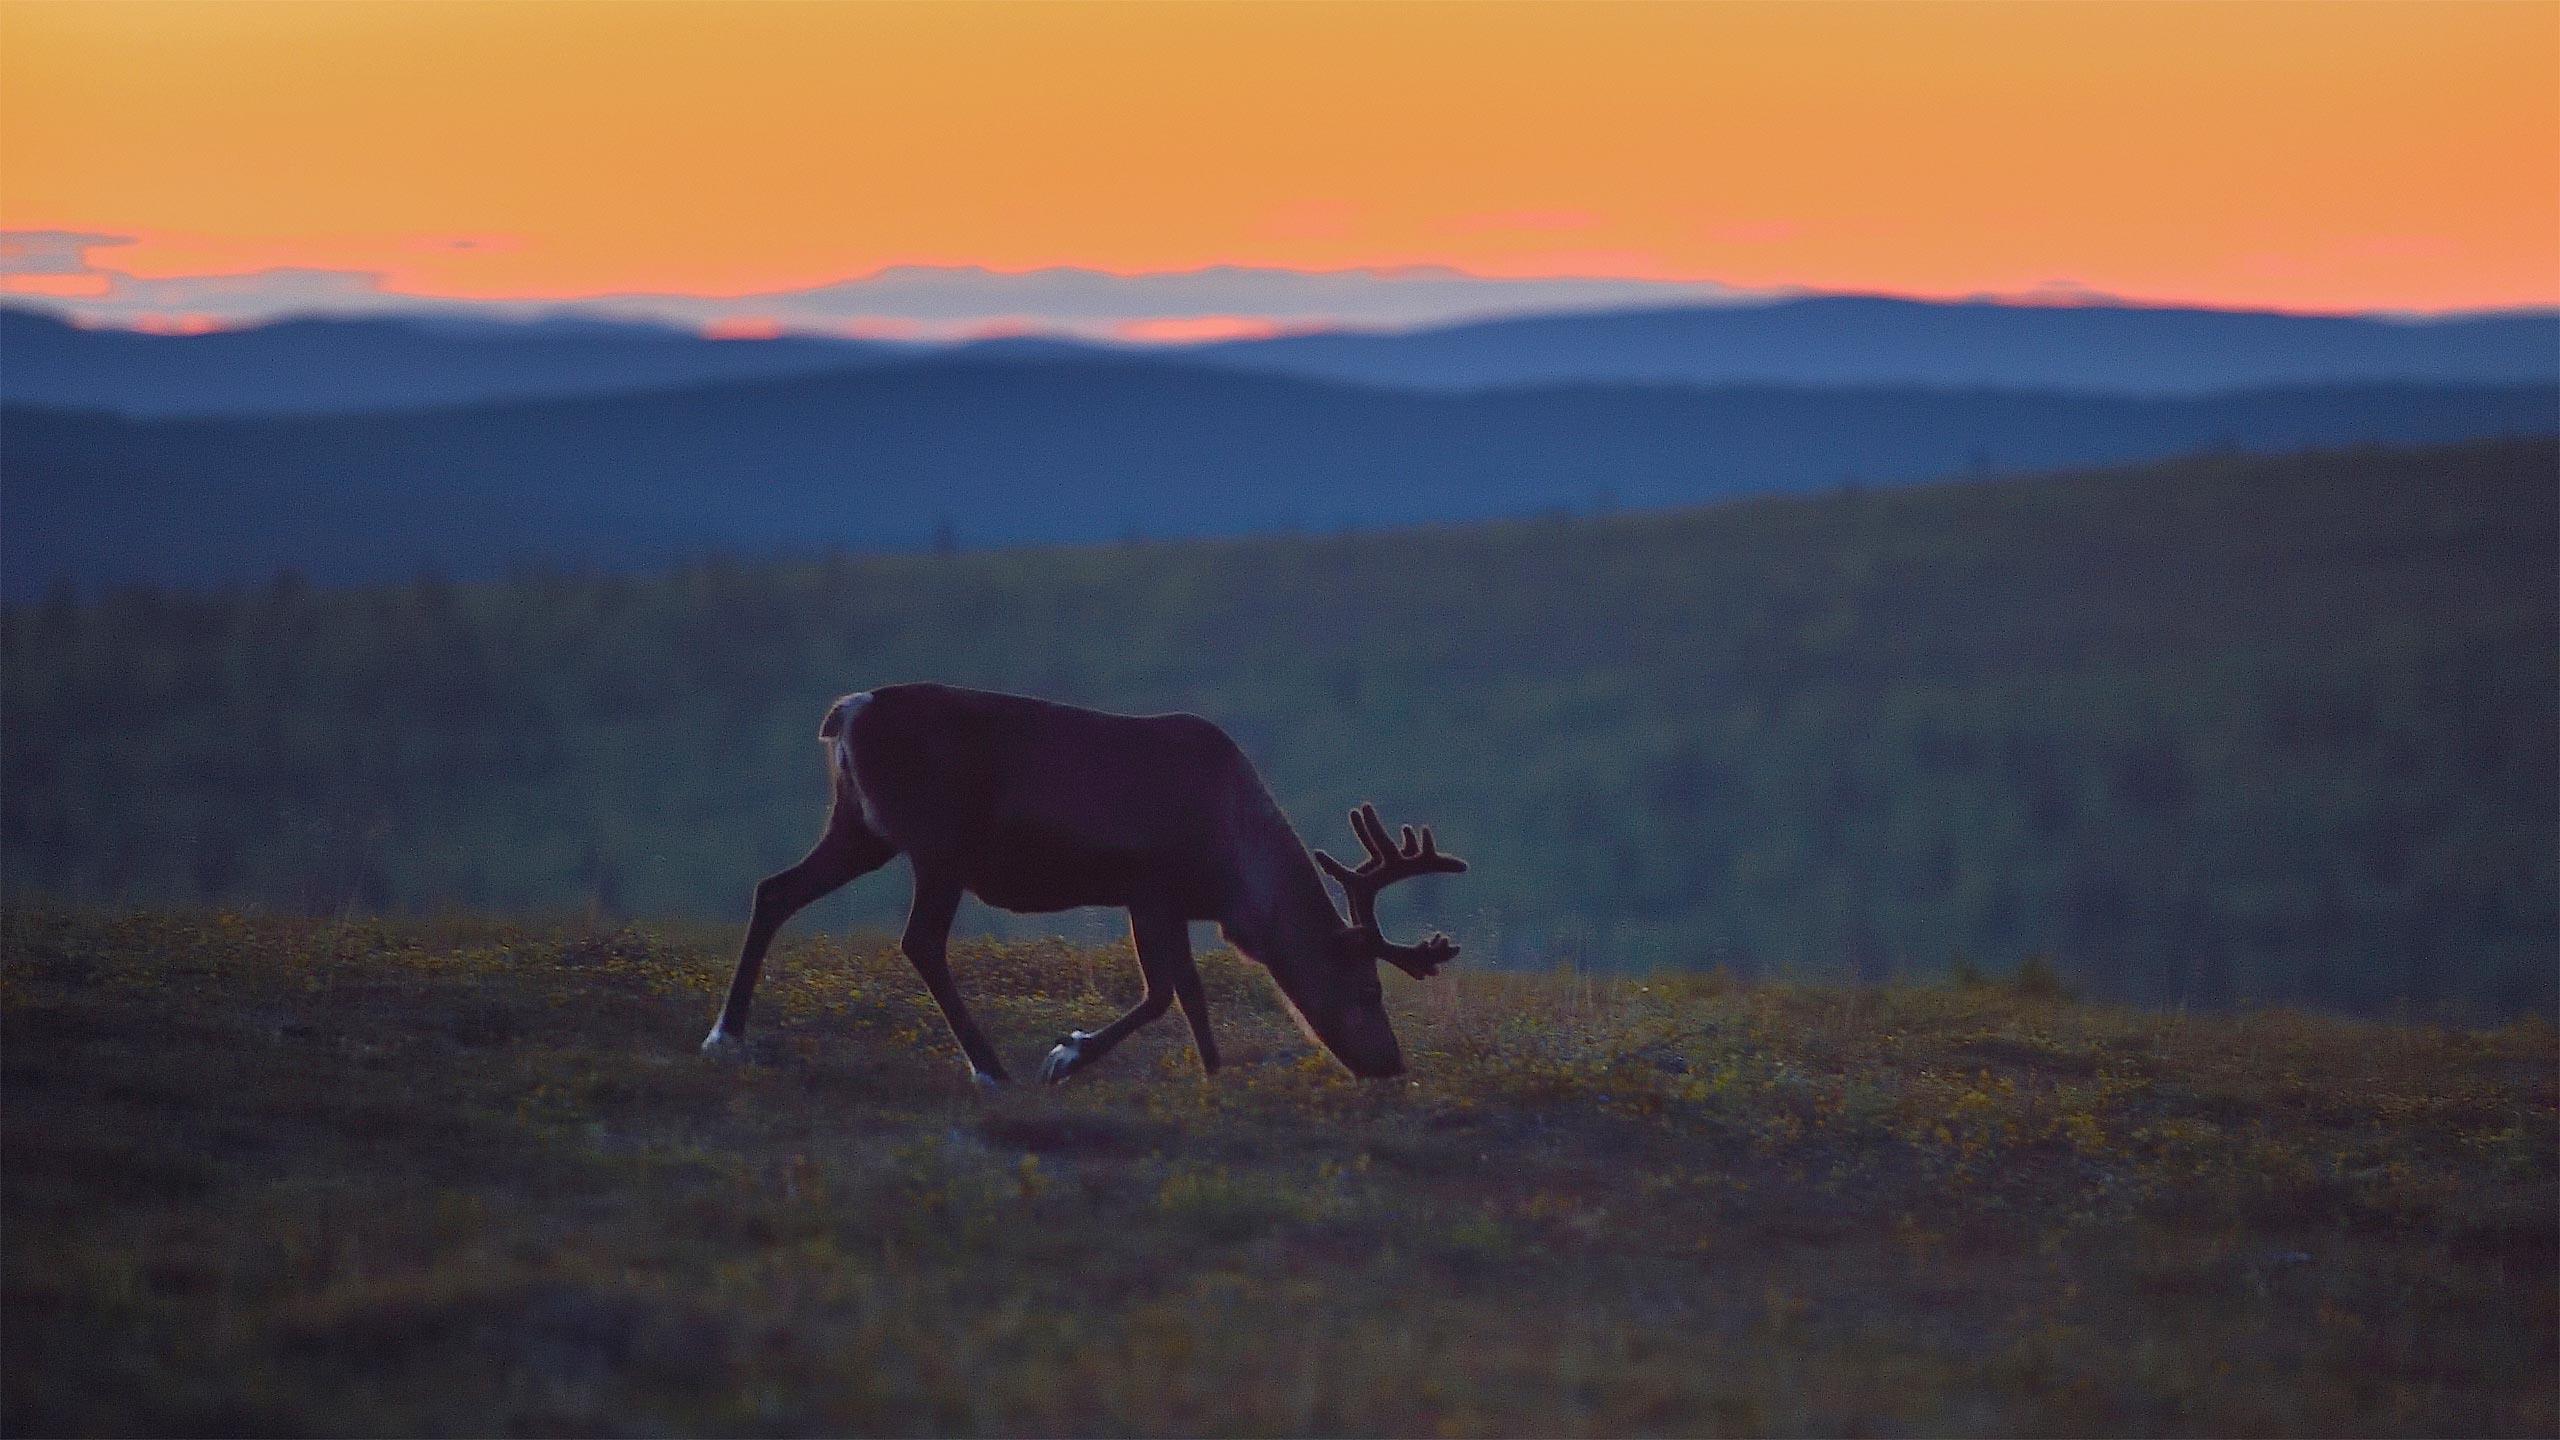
1066, 1058
721, 1045
987, 1084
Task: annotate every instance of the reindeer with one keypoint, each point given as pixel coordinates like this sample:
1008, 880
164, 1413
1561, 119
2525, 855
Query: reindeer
1035, 807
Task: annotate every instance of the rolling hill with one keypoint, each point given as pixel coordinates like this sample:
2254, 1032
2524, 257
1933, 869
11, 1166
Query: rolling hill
321, 366
1038, 452
1880, 340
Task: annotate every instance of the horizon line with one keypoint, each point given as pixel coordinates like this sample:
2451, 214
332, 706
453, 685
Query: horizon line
1172, 331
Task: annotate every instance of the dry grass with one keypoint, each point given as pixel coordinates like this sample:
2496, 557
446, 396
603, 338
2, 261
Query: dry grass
284, 1176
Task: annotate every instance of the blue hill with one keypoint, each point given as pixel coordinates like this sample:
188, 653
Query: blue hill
326, 365
1868, 340
331, 366
1017, 453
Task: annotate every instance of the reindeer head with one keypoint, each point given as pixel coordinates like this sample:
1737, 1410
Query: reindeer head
1338, 997
1418, 855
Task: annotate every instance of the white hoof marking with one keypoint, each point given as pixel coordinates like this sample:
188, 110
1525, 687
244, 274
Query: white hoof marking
1064, 1060
721, 1045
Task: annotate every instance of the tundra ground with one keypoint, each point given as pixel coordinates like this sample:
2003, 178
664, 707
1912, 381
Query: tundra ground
292, 1176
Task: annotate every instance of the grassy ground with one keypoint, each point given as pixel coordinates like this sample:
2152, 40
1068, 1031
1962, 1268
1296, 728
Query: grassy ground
294, 1176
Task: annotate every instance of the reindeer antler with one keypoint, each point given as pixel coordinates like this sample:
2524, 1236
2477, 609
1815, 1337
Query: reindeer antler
1386, 865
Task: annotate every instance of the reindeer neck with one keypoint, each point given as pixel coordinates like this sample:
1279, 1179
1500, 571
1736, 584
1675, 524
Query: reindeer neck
1278, 897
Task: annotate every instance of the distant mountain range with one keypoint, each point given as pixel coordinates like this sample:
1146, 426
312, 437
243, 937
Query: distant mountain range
330, 366
1023, 451
1868, 340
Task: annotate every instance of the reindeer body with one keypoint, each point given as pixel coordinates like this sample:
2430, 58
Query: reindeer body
1034, 806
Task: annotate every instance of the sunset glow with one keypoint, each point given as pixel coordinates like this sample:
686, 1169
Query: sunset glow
1199, 327
743, 327
2350, 156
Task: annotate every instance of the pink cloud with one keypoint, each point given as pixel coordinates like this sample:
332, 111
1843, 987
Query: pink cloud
881, 327
180, 324
52, 252
58, 270
1186, 329
997, 327
66, 287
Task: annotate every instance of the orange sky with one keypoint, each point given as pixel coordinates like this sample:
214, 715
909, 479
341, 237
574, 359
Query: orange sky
2307, 156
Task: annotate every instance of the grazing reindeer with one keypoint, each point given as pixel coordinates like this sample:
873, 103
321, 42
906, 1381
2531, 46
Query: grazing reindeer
1033, 806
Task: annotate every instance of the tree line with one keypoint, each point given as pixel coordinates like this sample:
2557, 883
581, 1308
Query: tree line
2231, 729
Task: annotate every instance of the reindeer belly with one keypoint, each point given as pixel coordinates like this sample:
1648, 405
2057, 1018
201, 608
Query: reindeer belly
1030, 872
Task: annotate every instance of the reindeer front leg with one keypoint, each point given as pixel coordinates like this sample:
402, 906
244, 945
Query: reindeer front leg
1163, 940
844, 854
927, 938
